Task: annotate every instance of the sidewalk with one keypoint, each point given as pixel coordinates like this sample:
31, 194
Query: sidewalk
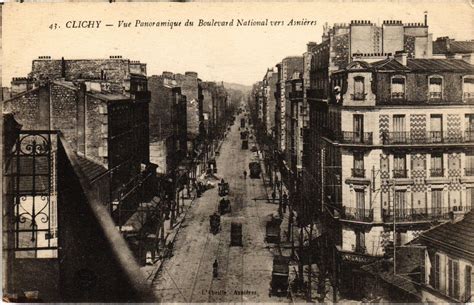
151, 271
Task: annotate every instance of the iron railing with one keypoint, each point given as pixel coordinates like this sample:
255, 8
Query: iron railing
359, 96
350, 137
358, 214
436, 172
358, 172
420, 214
469, 171
400, 173
430, 137
398, 95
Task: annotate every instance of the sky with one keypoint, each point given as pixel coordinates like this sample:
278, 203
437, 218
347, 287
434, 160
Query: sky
231, 54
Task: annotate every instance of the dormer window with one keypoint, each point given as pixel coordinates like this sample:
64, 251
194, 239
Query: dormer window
468, 88
435, 87
359, 89
398, 87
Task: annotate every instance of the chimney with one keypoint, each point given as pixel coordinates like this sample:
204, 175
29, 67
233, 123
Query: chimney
426, 18
63, 68
44, 107
401, 57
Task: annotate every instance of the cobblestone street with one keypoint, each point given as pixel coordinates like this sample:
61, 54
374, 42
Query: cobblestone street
244, 272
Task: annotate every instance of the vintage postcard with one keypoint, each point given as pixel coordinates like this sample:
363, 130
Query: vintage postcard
306, 152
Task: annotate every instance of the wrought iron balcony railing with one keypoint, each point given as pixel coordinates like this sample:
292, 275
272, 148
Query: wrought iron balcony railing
400, 173
435, 95
469, 171
436, 172
366, 215
350, 137
398, 95
358, 172
358, 96
421, 214
430, 137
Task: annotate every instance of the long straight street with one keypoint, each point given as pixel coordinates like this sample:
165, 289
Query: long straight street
244, 272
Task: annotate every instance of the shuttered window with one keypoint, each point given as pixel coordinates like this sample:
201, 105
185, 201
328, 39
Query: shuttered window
453, 278
467, 284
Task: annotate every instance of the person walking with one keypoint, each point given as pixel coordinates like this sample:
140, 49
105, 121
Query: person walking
285, 202
245, 175
214, 268
273, 197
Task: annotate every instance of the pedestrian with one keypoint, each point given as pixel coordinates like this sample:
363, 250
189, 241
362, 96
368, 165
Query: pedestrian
285, 202
214, 268
245, 175
273, 197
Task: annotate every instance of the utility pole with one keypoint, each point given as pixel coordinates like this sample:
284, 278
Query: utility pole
392, 188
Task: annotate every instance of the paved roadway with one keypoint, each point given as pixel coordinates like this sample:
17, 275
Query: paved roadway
244, 272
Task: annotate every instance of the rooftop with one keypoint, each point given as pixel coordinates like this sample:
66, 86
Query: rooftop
447, 46
454, 238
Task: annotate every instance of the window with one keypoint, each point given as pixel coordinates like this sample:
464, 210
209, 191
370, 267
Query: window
436, 128
437, 165
436, 201
360, 241
358, 127
360, 199
467, 284
468, 88
399, 166
399, 134
398, 88
469, 125
470, 197
436, 268
358, 170
453, 278
399, 204
435, 87
469, 164
359, 88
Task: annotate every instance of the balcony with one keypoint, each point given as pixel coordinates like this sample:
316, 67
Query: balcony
349, 137
400, 173
397, 96
423, 214
358, 96
435, 95
430, 137
358, 172
357, 214
469, 172
436, 172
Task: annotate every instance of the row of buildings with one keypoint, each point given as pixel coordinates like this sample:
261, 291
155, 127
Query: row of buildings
372, 133
97, 156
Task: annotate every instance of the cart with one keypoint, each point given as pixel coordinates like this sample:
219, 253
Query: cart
255, 169
223, 189
215, 223
280, 272
236, 234
272, 232
224, 206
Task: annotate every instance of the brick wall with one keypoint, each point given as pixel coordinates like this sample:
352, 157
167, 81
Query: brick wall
26, 109
94, 122
64, 112
160, 109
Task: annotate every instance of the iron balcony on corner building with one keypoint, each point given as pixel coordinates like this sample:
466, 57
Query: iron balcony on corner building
430, 137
